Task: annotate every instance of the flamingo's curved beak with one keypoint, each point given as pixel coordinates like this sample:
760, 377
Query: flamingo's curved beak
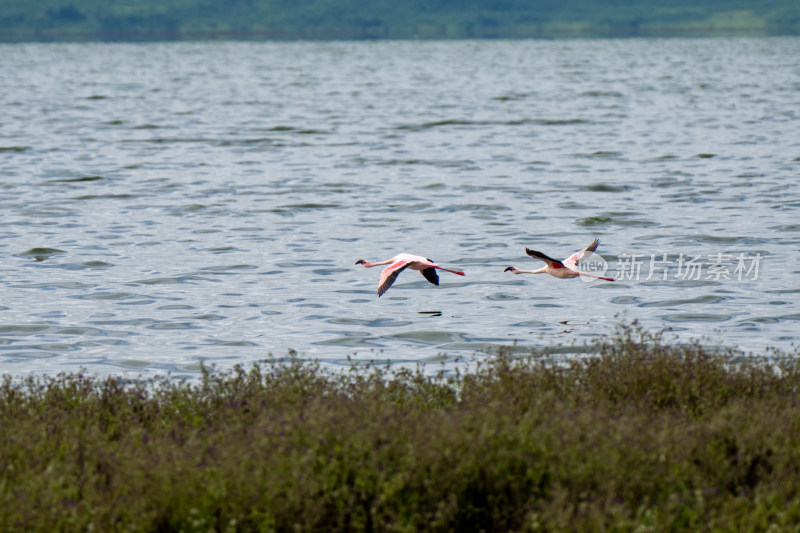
360, 261
508, 268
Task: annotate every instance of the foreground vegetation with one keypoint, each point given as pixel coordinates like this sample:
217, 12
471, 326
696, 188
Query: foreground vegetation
57, 20
639, 436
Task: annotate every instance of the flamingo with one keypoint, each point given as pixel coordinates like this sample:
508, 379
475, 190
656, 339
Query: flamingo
401, 262
568, 268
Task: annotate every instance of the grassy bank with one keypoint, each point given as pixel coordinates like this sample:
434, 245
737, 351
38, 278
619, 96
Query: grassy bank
643, 437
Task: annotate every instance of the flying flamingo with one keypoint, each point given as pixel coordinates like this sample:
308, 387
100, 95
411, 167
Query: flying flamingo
568, 268
401, 262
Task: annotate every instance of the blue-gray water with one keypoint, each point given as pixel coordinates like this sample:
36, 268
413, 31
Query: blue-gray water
167, 204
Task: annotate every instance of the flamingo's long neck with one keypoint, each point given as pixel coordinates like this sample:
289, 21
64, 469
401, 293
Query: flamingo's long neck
368, 264
539, 271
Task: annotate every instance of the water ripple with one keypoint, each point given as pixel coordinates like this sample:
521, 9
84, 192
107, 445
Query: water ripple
188, 204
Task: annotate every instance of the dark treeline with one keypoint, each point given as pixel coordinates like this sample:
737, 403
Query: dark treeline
110, 20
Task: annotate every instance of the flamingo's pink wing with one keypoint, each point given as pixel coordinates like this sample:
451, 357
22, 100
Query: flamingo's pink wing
575, 259
390, 273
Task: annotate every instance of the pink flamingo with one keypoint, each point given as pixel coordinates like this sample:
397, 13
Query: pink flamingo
401, 262
568, 268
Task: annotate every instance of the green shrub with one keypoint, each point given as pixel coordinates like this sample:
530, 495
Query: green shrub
636, 435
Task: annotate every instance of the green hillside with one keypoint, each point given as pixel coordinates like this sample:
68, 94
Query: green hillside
57, 20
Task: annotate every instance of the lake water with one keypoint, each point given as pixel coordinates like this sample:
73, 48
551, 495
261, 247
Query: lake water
169, 204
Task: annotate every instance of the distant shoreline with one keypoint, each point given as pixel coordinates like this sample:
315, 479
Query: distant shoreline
327, 20
358, 34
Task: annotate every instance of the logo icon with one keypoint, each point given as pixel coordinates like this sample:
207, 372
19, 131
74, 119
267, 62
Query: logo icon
593, 265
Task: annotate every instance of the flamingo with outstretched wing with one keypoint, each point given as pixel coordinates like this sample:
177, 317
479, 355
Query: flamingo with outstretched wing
568, 268
403, 261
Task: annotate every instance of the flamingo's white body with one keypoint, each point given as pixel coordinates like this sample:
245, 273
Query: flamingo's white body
401, 262
568, 268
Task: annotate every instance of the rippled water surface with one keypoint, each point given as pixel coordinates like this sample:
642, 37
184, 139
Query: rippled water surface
165, 205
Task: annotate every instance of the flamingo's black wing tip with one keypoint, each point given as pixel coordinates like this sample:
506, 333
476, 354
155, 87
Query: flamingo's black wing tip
431, 275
